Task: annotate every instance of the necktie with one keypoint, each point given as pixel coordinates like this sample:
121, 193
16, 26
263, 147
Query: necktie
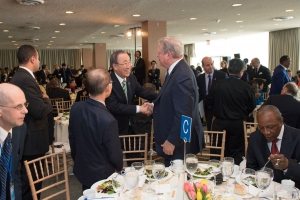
256, 72
209, 83
5, 162
274, 149
124, 86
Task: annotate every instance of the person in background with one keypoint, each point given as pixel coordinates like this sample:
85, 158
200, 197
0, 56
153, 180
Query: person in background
223, 66
258, 85
154, 75
41, 75
13, 108
93, 133
57, 72
139, 69
66, 74
178, 96
39, 112
280, 75
54, 90
260, 71
277, 142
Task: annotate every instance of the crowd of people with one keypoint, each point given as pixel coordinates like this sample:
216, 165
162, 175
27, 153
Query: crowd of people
229, 97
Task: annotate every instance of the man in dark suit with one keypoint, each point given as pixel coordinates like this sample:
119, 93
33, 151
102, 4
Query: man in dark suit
125, 87
66, 74
139, 69
280, 75
178, 96
93, 133
37, 138
41, 75
54, 90
232, 101
277, 142
205, 82
287, 104
260, 71
154, 75
12, 131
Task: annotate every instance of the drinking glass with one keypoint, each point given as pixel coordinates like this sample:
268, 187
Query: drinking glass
263, 178
148, 164
227, 167
139, 166
191, 163
131, 178
158, 170
118, 183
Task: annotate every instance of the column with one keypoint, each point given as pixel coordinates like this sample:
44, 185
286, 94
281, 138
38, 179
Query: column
99, 55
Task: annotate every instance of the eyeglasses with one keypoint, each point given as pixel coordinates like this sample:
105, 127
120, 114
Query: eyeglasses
18, 107
125, 63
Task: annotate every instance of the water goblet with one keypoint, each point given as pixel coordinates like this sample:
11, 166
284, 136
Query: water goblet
131, 178
191, 163
148, 164
263, 178
139, 166
158, 170
227, 168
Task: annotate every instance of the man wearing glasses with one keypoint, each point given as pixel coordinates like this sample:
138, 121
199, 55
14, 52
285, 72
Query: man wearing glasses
40, 108
13, 108
125, 87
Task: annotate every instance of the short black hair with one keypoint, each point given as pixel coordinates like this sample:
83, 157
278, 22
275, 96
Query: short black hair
284, 58
236, 65
25, 52
114, 56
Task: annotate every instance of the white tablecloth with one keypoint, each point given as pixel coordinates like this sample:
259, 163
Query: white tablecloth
61, 132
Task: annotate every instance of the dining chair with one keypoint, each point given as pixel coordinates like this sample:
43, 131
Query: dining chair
83, 98
52, 171
249, 127
214, 145
63, 106
136, 145
53, 103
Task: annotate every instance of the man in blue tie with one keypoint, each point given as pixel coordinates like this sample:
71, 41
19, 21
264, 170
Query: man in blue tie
13, 108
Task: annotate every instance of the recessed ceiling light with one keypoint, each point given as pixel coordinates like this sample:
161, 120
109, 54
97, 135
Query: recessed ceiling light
10, 36
86, 41
5, 31
193, 18
49, 44
51, 41
116, 25
56, 31
282, 18
276, 24
239, 21
289, 10
1, 22
223, 29
103, 32
136, 15
236, 4
238, 14
62, 24
13, 41
16, 44
36, 27
204, 29
47, 47
69, 12
80, 44
218, 20
53, 37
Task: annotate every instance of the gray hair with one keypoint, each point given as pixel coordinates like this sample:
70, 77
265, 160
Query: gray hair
114, 56
291, 88
270, 108
97, 80
171, 45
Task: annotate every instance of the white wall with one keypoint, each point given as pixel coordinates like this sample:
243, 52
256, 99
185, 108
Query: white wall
248, 46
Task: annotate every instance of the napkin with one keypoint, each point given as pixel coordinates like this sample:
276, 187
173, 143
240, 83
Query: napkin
265, 193
162, 188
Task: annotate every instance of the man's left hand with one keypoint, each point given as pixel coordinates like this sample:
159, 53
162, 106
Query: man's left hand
279, 161
168, 148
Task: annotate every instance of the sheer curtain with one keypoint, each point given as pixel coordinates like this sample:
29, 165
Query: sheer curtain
189, 50
8, 58
284, 42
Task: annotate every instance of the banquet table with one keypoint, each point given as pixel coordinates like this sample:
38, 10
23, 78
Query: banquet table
172, 189
61, 132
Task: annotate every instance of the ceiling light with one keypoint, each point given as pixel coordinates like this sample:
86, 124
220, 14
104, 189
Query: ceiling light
103, 32
209, 33
53, 37
62, 24
49, 44
193, 18
69, 12
36, 27
136, 15
10, 36
1, 22
238, 14
16, 44
116, 25
51, 41
236, 4
56, 31
289, 10
47, 47
239, 21
204, 29
86, 41
218, 20
5, 31
13, 41
138, 32
282, 18
128, 34
223, 29
276, 24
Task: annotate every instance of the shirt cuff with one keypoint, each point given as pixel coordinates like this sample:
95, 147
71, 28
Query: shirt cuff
138, 109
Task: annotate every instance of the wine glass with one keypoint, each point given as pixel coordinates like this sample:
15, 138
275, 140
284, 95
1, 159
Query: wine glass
118, 184
191, 163
263, 178
139, 166
148, 164
248, 177
158, 170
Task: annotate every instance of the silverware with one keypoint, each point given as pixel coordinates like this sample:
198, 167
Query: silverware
266, 163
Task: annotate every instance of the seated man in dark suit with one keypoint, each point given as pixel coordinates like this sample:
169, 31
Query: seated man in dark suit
287, 104
12, 136
93, 133
277, 142
54, 91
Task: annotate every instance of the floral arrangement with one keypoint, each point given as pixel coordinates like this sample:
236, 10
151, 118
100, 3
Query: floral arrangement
198, 190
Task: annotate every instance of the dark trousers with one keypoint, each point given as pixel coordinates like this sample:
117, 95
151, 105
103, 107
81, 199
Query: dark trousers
234, 144
208, 117
26, 191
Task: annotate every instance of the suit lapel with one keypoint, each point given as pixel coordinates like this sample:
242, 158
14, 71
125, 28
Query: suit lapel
287, 144
117, 87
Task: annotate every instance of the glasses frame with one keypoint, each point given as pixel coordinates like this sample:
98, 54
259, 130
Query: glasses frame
17, 107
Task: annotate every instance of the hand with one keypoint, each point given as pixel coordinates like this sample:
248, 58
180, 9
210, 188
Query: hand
45, 96
279, 161
146, 108
168, 148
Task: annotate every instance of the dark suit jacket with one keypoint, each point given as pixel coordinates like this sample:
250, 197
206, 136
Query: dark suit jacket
94, 141
218, 75
41, 77
18, 140
289, 108
178, 96
58, 93
116, 103
37, 138
263, 73
279, 78
66, 75
258, 153
139, 70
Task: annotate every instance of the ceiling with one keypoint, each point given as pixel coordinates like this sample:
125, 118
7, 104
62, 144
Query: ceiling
94, 21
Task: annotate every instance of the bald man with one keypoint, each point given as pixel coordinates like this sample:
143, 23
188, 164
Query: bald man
13, 108
260, 71
205, 82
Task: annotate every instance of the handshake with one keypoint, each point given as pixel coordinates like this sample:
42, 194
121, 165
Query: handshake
147, 108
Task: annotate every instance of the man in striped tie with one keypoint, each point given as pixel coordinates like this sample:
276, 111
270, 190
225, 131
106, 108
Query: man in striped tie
13, 108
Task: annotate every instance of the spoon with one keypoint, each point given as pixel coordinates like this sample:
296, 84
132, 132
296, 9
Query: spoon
266, 163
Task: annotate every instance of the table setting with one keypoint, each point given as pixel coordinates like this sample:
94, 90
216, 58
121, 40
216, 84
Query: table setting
61, 132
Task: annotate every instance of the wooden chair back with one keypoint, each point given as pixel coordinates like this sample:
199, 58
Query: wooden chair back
249, 127
214, 144
63, 106
53, 103
52, 171
135, 144
83, 98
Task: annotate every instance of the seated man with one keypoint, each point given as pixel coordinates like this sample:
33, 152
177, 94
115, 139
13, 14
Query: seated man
276, 142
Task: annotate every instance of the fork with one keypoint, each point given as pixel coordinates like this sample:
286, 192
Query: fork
266, 164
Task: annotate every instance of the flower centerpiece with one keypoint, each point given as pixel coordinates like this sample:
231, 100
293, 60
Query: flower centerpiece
199, 190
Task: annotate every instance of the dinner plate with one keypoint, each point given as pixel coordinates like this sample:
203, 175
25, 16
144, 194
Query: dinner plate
170, 174
101, 195
204, 166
